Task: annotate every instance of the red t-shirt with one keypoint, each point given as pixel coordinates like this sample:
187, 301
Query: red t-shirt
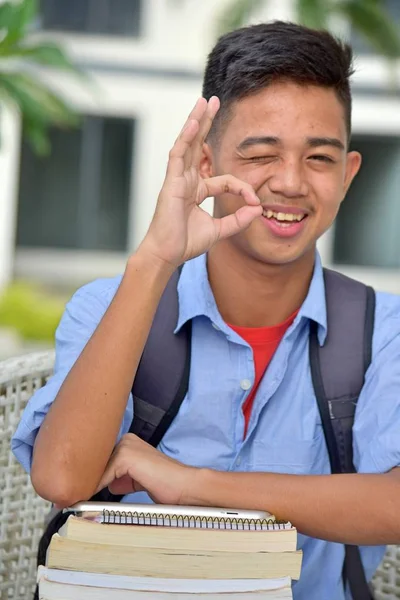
264, 342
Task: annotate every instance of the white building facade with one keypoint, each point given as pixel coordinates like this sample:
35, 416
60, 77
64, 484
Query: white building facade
79, 213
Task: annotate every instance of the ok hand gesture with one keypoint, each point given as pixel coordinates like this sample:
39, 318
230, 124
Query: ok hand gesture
181, 229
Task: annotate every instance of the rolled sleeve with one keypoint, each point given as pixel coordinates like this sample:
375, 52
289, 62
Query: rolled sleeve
79, 321
376, 430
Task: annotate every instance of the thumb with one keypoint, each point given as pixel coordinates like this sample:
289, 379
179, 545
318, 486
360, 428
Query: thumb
238, 221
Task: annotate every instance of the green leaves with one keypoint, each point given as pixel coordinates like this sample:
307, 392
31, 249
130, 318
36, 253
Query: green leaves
237, 14
30, 310
15, 18
370, 19
46, 54
6, 15
40, 107
312, 13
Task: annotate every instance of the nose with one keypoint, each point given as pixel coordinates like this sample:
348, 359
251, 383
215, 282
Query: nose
288, 180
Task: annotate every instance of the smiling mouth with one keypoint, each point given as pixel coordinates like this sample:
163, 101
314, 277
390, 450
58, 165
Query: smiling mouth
284, 219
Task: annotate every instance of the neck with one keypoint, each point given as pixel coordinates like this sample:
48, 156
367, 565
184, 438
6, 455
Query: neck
250, 293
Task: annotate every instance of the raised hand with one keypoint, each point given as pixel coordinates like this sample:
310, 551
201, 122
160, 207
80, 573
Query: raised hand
180, 228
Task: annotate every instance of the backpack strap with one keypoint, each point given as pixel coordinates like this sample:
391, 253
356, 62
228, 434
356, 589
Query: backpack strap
162, 378
338, 370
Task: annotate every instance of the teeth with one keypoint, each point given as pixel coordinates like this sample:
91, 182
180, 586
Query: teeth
283, 216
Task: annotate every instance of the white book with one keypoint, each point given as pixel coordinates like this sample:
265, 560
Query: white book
60, 591
55, 584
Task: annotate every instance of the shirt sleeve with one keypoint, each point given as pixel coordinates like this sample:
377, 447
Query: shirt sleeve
79, 321
376, 430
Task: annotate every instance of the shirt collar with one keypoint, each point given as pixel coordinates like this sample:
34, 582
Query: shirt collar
194, 292
196, 297
314, 306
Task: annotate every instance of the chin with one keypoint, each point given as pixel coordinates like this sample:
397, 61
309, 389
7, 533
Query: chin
279, 260
281, 256
262, 249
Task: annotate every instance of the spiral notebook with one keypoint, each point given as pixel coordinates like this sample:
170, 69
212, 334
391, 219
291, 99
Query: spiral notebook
161, 541
177, 516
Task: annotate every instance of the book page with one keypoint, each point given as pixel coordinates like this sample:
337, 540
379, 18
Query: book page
162, 585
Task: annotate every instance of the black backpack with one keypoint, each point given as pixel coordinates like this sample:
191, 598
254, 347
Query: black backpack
337, 370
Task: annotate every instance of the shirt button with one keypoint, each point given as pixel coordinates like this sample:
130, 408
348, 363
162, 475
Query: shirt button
245, 384
216, 327
238, 461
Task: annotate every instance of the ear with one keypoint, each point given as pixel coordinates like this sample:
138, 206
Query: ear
206, 162
353, 164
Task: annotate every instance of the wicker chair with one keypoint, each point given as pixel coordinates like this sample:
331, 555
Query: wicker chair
23, 513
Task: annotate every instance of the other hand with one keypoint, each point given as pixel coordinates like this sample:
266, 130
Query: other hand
136, 466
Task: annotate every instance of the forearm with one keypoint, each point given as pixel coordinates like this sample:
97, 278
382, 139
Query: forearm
79, 432
354, 508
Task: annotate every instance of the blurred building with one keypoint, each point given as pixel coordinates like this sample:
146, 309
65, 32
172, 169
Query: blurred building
79, 212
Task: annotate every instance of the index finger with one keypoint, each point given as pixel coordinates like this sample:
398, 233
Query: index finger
195, 114
180, 156
112, 471
204, 129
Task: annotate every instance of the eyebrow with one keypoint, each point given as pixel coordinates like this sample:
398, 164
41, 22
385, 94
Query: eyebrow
269, 140
315, 142
266, 140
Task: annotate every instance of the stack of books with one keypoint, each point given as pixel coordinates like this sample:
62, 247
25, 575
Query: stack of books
132, 554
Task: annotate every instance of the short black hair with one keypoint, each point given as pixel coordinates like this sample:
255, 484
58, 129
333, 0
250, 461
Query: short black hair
245, 61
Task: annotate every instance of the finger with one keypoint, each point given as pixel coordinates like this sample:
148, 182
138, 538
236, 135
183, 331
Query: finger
111, 473
238, 221
180, 153
196, 113
182, 143
228, 184
204, 129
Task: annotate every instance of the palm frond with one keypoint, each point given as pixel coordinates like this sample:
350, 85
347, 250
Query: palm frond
14, 20
39, 106
45, 54
370, 19
37, 134
6, 15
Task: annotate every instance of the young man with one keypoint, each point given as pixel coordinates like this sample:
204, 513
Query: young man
271, 145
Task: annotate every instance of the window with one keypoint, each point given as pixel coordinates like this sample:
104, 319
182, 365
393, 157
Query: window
78, 197
108, 17
367, 230
360, 44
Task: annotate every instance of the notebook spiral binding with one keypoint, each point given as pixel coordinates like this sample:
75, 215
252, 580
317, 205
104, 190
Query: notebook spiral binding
113, 517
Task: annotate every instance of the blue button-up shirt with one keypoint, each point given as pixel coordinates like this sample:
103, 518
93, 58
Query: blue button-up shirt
285, 433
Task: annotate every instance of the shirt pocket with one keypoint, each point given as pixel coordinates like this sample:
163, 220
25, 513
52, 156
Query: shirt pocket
293, 456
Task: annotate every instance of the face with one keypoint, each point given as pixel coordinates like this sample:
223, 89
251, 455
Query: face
289, 142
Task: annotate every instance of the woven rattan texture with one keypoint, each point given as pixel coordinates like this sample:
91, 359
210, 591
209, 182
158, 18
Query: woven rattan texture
387, 577
22, 512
